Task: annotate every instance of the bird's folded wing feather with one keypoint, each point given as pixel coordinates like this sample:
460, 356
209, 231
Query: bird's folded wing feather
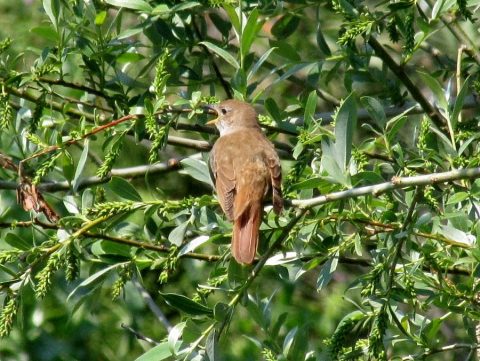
274, 166
224, 180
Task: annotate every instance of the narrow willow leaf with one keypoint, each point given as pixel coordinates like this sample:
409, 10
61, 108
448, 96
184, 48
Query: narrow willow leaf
131, 4
345, 125
211, 346
222, 54
310, 107
51, 8
17, 242
96, 277
260, 62
158, 353
326, 273
375, 109
436, 89
249, 32
80, 166
234, 19
124, 189
193, 244
185, 304
174, 337
177, 235
288, 341
197, 169
457, 108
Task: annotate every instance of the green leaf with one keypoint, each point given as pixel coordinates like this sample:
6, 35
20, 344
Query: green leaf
211, 346
95, 278
457, 108
285, 26
197, 169
46, 32
159, 352
273, 109
131, 4
88, 198
332, 165
221, 311
465, 144
310, 107
437, 90
294, 69
185, 5
286, 50
17, 242
352, 317
174, 336
458, 197
234, 19
177, 235
81, 165
395, 124
375, 109
432, 328
185, 304
260, 62
288, 341
193, 244
322, 43
51, 8
221, 53
130, 58
161, 9
100, 18
239, 82
401, 5
124, 189
347, 8
457, 236
249, 32
327, 271
345, 125
66, 162
102, 248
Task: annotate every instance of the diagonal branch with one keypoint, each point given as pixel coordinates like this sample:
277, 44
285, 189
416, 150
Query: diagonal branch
76, 86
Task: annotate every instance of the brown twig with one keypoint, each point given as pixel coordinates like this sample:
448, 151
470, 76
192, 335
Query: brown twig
76, 86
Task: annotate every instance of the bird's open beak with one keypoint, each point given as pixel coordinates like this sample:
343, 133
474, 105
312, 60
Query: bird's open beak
211, 109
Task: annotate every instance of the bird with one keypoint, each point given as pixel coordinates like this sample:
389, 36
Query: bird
246, 169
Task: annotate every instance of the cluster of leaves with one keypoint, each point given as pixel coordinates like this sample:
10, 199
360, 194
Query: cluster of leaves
100, 115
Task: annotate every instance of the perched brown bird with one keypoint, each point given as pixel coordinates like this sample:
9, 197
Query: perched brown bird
246, 168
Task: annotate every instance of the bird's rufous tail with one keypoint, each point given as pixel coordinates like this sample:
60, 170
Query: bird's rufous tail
245, 233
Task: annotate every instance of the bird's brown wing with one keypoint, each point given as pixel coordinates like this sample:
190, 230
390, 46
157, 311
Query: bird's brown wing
273, 163
224, 178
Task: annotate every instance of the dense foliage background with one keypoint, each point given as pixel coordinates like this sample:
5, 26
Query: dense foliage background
112, 243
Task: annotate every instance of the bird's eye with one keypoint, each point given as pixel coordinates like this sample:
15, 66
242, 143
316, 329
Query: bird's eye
224, 111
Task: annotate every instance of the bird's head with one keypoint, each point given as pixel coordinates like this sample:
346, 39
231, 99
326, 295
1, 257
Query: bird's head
233, 115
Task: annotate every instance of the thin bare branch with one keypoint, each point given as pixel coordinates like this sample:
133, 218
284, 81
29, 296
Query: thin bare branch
129, 172
152, 305
394, 183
